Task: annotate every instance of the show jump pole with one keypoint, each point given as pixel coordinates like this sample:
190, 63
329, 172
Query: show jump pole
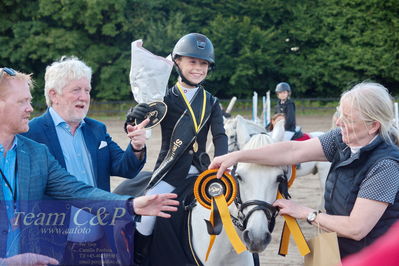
255, 106
266, 109
231, 104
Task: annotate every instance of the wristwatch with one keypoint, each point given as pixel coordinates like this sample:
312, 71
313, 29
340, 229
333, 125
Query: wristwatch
312, 217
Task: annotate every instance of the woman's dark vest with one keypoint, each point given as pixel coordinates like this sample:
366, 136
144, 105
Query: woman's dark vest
343, 184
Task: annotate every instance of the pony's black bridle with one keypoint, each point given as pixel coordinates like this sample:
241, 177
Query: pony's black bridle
233, 144
259, 205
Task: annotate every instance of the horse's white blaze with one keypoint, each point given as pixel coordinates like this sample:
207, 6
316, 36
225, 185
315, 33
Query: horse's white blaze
259, 182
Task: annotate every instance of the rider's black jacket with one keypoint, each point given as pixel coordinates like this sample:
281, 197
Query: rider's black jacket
288, 109
176, 107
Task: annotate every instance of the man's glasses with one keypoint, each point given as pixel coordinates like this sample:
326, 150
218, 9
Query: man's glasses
7, 70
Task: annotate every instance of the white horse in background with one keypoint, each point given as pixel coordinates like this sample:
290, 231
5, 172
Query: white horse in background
239, 130
252, 211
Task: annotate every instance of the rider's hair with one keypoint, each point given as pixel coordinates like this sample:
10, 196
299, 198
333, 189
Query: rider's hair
274, 118
375, 104
61, 72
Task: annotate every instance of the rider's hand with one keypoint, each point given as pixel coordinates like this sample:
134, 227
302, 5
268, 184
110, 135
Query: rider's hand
138, 112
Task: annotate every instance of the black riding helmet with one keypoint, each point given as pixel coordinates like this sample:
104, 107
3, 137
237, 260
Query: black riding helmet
194, 45
283, 86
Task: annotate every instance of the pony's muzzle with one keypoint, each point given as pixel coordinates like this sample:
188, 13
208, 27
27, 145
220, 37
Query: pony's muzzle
256, 244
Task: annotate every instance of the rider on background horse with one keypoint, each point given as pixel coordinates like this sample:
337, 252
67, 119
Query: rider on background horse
298, 135
285, 108
285, 105
191, 113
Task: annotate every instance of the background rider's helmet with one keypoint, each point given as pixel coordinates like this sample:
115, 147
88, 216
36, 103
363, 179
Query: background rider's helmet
283, 86
195, 45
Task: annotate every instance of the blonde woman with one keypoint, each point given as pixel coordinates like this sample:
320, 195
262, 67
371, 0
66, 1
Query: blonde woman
361, 196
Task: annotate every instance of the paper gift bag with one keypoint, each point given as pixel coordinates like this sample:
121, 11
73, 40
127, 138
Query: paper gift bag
324, 250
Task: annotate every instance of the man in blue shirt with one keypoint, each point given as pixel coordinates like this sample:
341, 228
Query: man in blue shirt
82, 145
29, 172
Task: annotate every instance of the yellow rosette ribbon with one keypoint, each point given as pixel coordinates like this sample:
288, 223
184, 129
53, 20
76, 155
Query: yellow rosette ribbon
291, 227
217, 194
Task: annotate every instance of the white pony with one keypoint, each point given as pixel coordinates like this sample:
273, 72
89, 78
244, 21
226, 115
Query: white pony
237, 140
253, 213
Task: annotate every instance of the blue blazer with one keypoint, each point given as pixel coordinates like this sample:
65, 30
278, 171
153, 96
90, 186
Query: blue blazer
109, 160
39, 174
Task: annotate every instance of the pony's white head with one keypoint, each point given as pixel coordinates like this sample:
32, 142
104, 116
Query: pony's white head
258, 185
230, 127
239, 130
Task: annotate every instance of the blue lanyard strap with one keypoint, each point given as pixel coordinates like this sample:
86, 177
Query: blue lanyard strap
13, 191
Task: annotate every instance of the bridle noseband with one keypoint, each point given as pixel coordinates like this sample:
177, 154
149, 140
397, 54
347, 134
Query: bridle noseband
259, 205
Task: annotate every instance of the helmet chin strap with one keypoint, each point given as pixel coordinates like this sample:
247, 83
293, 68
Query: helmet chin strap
183, 78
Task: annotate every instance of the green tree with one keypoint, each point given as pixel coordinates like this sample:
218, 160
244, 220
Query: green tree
319, 46
341, 43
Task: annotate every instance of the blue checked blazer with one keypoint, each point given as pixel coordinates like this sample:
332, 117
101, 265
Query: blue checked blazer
39, 174
109, 160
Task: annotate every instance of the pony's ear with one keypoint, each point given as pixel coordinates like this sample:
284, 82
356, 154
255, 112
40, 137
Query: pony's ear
243, 134
246, 129
230, 126
278, 131
229, 123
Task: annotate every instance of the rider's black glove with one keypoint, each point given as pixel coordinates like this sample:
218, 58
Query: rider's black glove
138, 112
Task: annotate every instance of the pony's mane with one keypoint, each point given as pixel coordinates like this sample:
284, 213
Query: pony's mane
258, 141
252, 127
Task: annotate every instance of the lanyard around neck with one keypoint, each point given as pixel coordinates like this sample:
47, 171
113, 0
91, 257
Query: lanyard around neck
13, 191
196, 126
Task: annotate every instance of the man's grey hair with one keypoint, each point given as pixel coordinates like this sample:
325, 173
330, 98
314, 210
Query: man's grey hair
61, 72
